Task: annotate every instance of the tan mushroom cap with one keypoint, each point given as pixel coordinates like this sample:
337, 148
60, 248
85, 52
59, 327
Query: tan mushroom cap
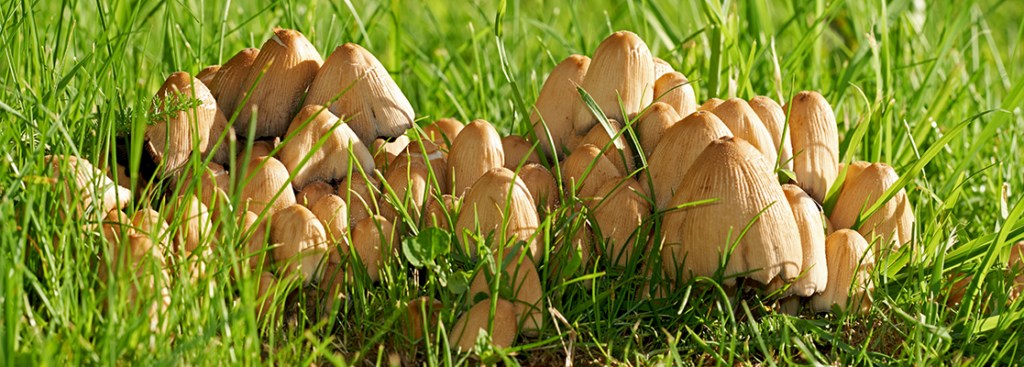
333, 215
579, 162
619, 210
599, 137
730, 169
774, 119
374, 103
116, 225
375, 241
622, 69
810, 222
957, 288
212, 179
893, 222
1015, 270
744, 124
290, 63
410, 184
464, 333
419, 310
313, 192
661, 67
527, 293
484, 208
579, 238
542, 186
190, 220
176, 133
476, 150
150, 223
138, 264
255, 231
815, 140
429, 155
674, 89
265, 295
226, 86
518, 151
87, 191
206, 75
268, 176
710, 104
384, 151
677, 151
849, 265
442, 129
300, 242
556, 104
442, 213
331, 161
361, 194
654, 123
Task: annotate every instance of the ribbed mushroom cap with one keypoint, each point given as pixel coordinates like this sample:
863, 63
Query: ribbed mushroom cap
116, 225
206, 75
957, 288
527, 293
375, 103
774, 119
710, 104
661, 67
256, 242
191, 221
84, 182
464, 333
410, 183
677, 151
476, 150
313, 192
442, 129
260, 148
894, 222
137, 263
429, 155
439, 212
578, 238
696, 237
556, 104
654, 123
268, 176
299, 240
418, 310
291, 63
744, 124
1015, 268
333, 215
150, 223
384, 151
265, 295
849, 265
577, 163
682, 99
226, 86
360, 194
329, 162
542, 186
484, 208
598, 137
622, 69
810, 222
618, 209
212, 178
815, 139
376, 242
182, 125
516, 149
853, 170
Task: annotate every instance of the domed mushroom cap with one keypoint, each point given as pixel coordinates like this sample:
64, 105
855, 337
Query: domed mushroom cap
542, 186
138, 264
411, 187
849, 265
443, 131
774, 119
810, 222
674, 89
527, 293
329, 162
81, 181
265, 295
579, 239
677, 151
464, 333
187, 119
300, 242
149, 222
419, 310
227, 84
360, 193
484, 207
710, 104
426, 153
206, 75
384, 151
291, 63
333, 215
375, 241
476, 150
582, 161
661, 67
957, 288
654, 123
622, 68
375, 103
599, 137
266, 177
116, 226
730, 169
442, 213
255, 231
518, 151
893, 222
744, 124
190, 220
1015, 270
212, 178
619, 210
556, 104
313, 192
815, 139
260, 148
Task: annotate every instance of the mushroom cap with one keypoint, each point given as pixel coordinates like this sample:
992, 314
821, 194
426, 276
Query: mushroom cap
439, 212
849, 265
661, 67
542, 186
682, 99
206, 75
599, 137
430, 156
149, 222
957, 288
313, 192
268, 176
416, 310
1015, 269
476, 150
374, 103
516, 150
677, 151
744, 124
260, 148
710, 104
331, 161
384, 151
774, 119
87, 190
212, 178
654, 123
695, 238
227, 84
139, 265
556, 104
116, 225
265, 295
179, 130
579, 162
376, 242
893, 222
464, 333
815, 140
360, 194
619, 210
527, 292
579, 237
256, 242
442, 129
333, 215
410, 183
484, 207
190, 220
291, 63
299, 242
810, 222
622, 68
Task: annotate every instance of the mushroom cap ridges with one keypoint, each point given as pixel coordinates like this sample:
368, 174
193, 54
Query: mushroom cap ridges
674, 89
744, 124
810, 222
330, 162
300, 241
476, 150
484, 207
464, 333
183, 127
865, 184
850, 262
815, 140
579, 162
619, 210
227, 83
676, 152
553, 104
266, 177
622, 69
774, 119
653, 124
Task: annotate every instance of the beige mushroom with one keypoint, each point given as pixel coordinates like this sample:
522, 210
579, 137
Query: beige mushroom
710, 104
464, 333
599, 137
521, 278
654, 123
411, 188
619, 210
815, 140
419, 310
518, 152
206, 75
810, 222
622, 70
484, 209
264, 178
313, 192
187, 119
376, 243
661, 67
300, 242
893, 223
677, 151
744, 124
255, 232
360, 194
266, 296
542, 186
385, 151
849, 281
137, 263
774, 119
442, 213
587, 159
87, 192
330, 161
556, 105
476, 150
674, 89
227, 84
333, 215
443, 132
429, 155
190, 220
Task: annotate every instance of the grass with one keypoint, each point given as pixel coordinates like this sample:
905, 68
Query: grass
934, 89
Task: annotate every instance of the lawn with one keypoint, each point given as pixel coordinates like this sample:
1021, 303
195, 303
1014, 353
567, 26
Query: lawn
933, 89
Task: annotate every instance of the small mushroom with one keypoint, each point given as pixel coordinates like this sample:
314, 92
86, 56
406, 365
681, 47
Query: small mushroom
620, 77
212, 178
313, 192
654, 123
893, 222
476, 150
674, 89
957, 288
227, 84
333, 215
260, 148
360, 194
384, 151
619, 210
375, 241
411, 188
264, 178
484, 209
526, 292
815, 140
137, 263
441, 213
587, 160
579, 239
331, 160
810, 223
542, 186
86, 190
299, 242
190, 220
677, 151
265, 296
206, 75
255, 231
187, 119
599, 137
710, 104
555, 104
744, 124
150, 223
518, 151
426, 153
849, 281
443, 132
116, 226
774, 119
419, 310
464, 333
661, 67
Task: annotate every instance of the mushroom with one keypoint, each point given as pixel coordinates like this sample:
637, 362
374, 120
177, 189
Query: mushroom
426, 153
86, 191
620, 77
556, 105
411, 188
744, 124
419, 310
206, 75
333, 215
654, 123
116, 226
815, 143
697, 239
677, 151
849, 282
810, 223
484, 209
384, 151
138, 264
443, 132
375, 104
227, 84
313, 192
265, 296
375, 242
299, 242
893, 222
661, 67
518, 152
579, 238
587, 160
284, 67
542, 186
264, 178
441, 213
186, 118
674, 89
710, 104
619, 210
599, 137
191, 221
464, 333
774, 119
360, 192
254, 231
149, 222
476, 150
331, 160
1015, 270
525, 290
212, 179
957, 288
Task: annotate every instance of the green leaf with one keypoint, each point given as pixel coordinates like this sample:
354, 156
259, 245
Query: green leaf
458, 282
427, 246
599, 115
786, 176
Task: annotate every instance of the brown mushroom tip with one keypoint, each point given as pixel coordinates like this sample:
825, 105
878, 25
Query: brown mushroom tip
463, 334
850, 262
415, 315
710, 104
206, 75
518, 151
313, 192
177, 82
